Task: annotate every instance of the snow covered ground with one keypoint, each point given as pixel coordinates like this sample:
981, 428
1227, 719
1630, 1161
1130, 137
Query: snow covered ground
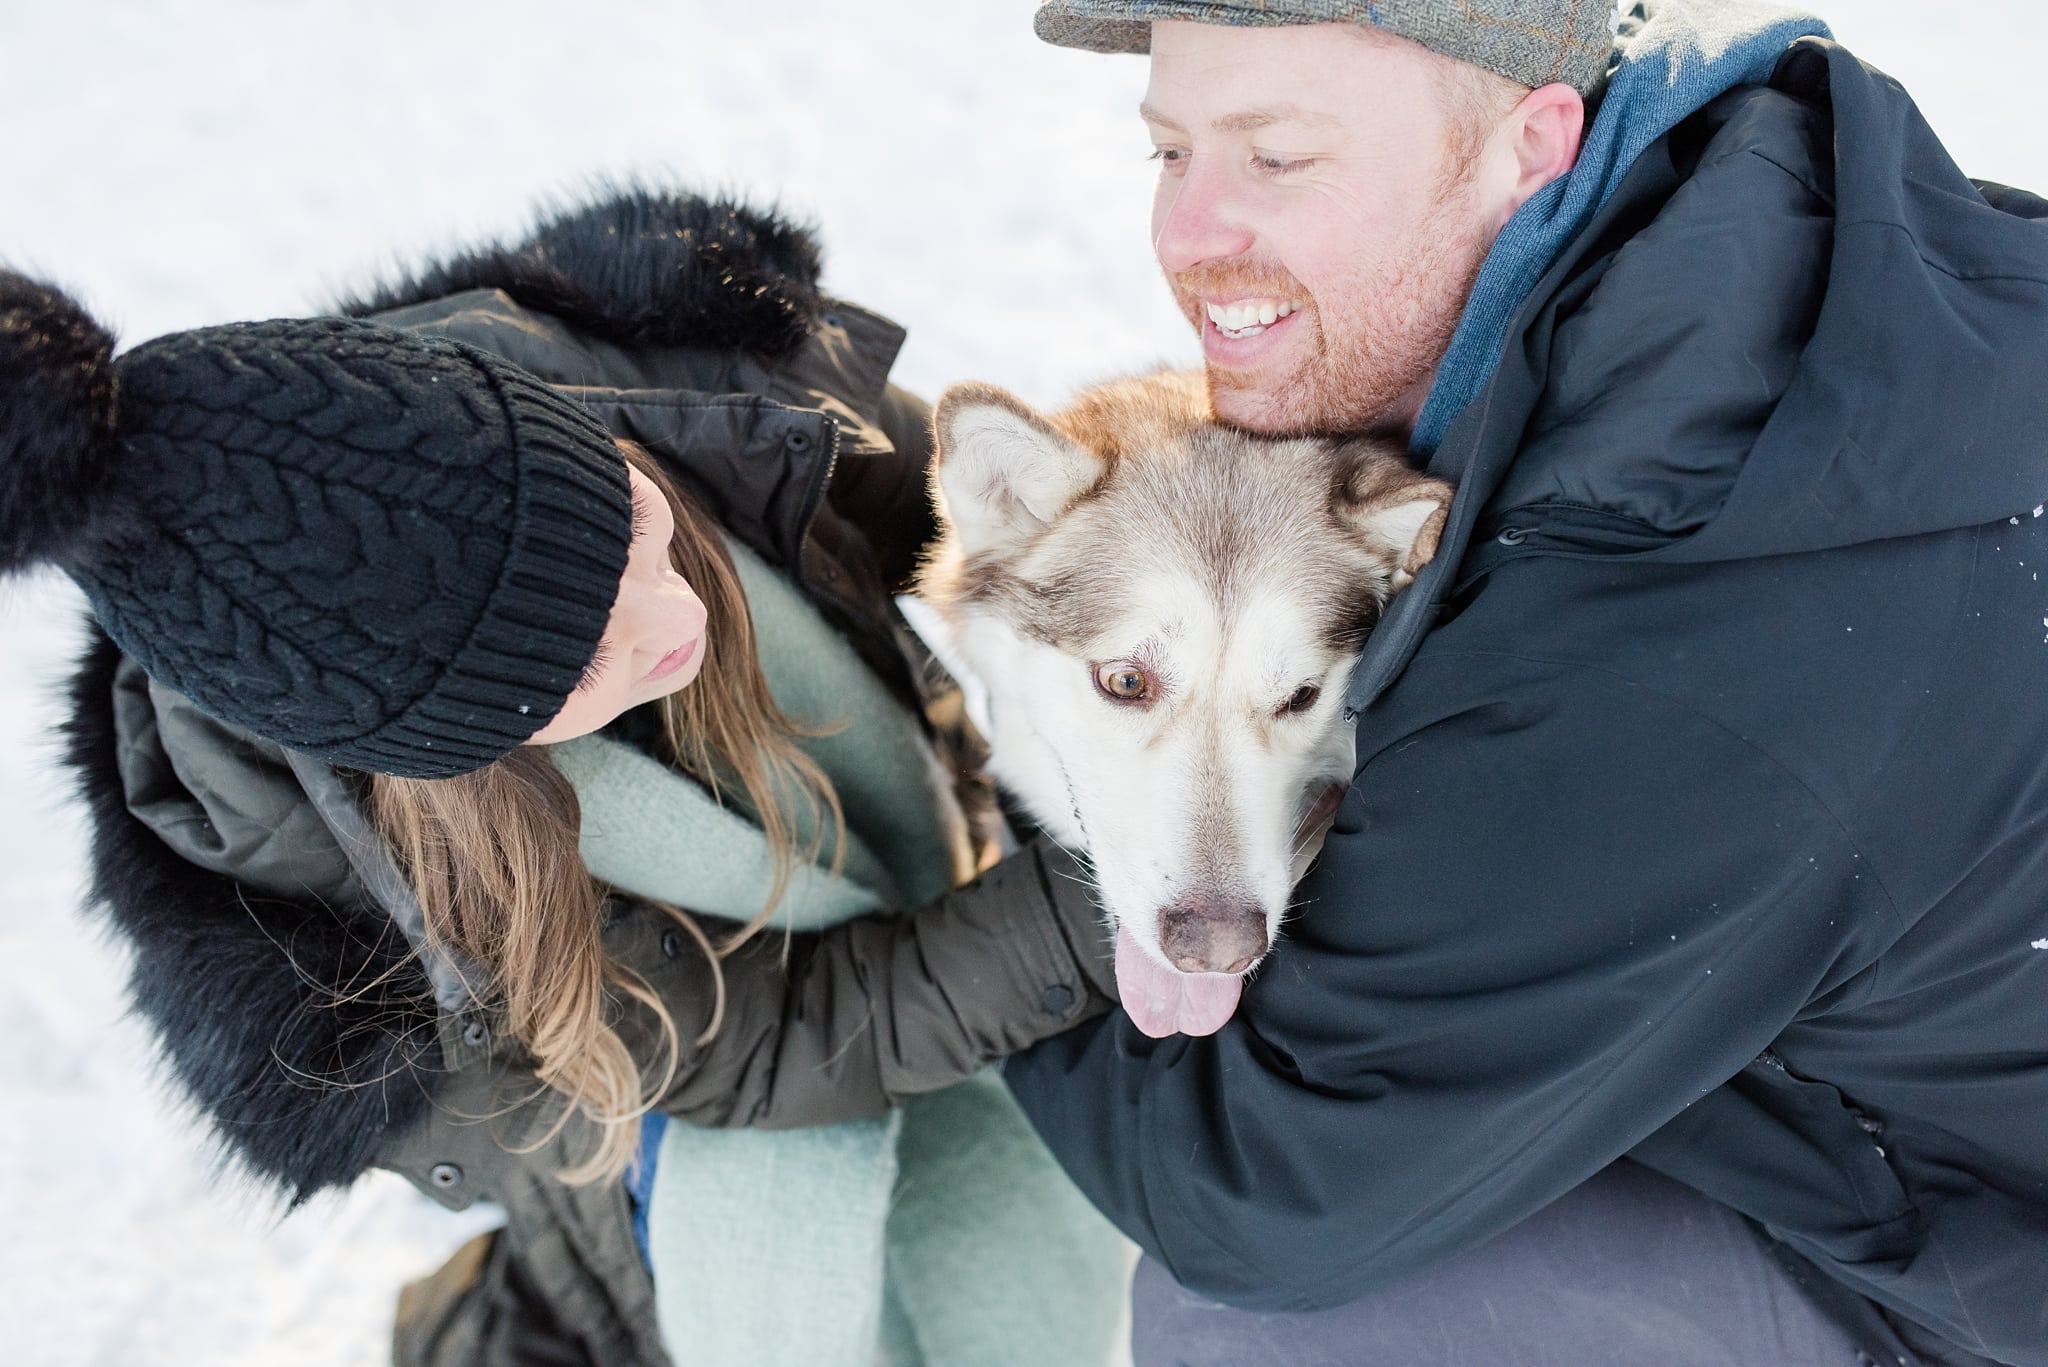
185, 163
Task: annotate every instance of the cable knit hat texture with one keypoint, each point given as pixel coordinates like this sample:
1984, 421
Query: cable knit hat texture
1531, 42
393, 552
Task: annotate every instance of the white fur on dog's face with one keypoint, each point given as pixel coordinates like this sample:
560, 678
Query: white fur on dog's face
1165, 614
1200, 789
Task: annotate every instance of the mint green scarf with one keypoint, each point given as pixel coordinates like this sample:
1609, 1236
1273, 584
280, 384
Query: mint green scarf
942, 1233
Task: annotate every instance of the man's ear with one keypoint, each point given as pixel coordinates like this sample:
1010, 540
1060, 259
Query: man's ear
1002, 472
1396, 512
1536, 142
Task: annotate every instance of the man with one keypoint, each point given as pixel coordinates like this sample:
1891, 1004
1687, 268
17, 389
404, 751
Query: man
1673, 987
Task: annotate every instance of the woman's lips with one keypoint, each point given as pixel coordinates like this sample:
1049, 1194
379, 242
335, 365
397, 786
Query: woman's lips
670, 663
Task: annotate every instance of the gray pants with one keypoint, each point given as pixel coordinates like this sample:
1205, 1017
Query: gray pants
1630, 1270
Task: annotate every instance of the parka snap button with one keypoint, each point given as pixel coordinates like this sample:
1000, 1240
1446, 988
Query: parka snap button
1058, 999
476, 1034
446, 1176
1512, 536
797, 439
671, 943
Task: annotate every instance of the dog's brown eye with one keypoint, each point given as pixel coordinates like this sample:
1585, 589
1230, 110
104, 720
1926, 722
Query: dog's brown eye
1123, 682
1304, 698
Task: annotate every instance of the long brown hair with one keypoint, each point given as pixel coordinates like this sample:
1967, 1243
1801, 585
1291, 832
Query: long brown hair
493, 859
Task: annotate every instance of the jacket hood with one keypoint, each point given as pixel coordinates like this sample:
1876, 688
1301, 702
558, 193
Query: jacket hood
644, 267
1826, 335
1921, 402
1671, 57
1796, 325
332, 1045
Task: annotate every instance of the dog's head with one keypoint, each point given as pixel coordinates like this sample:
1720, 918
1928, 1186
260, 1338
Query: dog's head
1165, 613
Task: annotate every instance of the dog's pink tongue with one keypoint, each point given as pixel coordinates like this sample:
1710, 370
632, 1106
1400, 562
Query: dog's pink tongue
1163, 1001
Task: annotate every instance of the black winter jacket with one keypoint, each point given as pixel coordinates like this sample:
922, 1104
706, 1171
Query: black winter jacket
1701, 813
277, 955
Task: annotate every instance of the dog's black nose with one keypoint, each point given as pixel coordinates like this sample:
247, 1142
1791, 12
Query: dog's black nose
1203, 934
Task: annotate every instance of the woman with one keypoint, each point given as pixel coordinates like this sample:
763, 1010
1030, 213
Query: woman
356, 574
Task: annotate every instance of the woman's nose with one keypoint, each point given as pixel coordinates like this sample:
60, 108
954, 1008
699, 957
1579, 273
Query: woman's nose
662, 608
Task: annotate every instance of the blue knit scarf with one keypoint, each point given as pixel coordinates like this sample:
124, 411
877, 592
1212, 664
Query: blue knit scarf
1674, 56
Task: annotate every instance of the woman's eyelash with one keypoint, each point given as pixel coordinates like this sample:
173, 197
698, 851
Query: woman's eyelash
642, 519
596, 667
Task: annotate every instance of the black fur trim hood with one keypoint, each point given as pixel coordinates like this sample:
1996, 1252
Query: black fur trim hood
644, 267
302, 1028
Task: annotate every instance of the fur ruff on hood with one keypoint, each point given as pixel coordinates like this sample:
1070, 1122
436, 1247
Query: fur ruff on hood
645, 267
304, 1033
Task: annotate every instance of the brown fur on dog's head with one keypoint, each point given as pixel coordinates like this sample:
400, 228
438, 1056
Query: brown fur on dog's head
1137, 412
1013, 471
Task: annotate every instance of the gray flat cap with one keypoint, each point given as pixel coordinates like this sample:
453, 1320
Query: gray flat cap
1531, 42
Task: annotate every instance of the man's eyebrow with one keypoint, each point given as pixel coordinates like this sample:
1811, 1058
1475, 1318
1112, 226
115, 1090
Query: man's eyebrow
1248, 120
1151, 115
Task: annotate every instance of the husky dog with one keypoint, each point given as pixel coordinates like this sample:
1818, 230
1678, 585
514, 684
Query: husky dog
1164, 613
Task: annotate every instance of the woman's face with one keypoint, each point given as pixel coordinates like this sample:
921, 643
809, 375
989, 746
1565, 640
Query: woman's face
654, 643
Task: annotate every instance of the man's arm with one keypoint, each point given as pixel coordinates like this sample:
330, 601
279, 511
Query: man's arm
1552, 915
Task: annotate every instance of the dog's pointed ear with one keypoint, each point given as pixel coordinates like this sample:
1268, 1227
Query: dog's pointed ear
1003, 471
1398, 512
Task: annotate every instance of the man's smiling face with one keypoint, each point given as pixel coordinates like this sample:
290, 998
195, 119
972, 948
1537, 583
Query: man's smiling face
1321, 214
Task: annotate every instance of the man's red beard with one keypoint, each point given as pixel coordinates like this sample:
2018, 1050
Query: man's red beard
1364, 354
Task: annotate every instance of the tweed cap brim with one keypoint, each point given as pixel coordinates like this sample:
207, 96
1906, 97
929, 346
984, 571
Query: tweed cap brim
1531, 42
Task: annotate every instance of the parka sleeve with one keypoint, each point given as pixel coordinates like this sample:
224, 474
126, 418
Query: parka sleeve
873, 1010
1549, 918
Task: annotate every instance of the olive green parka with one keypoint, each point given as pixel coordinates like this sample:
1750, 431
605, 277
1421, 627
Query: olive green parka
279, 955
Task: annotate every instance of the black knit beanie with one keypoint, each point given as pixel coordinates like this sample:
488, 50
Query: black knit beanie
393, 552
